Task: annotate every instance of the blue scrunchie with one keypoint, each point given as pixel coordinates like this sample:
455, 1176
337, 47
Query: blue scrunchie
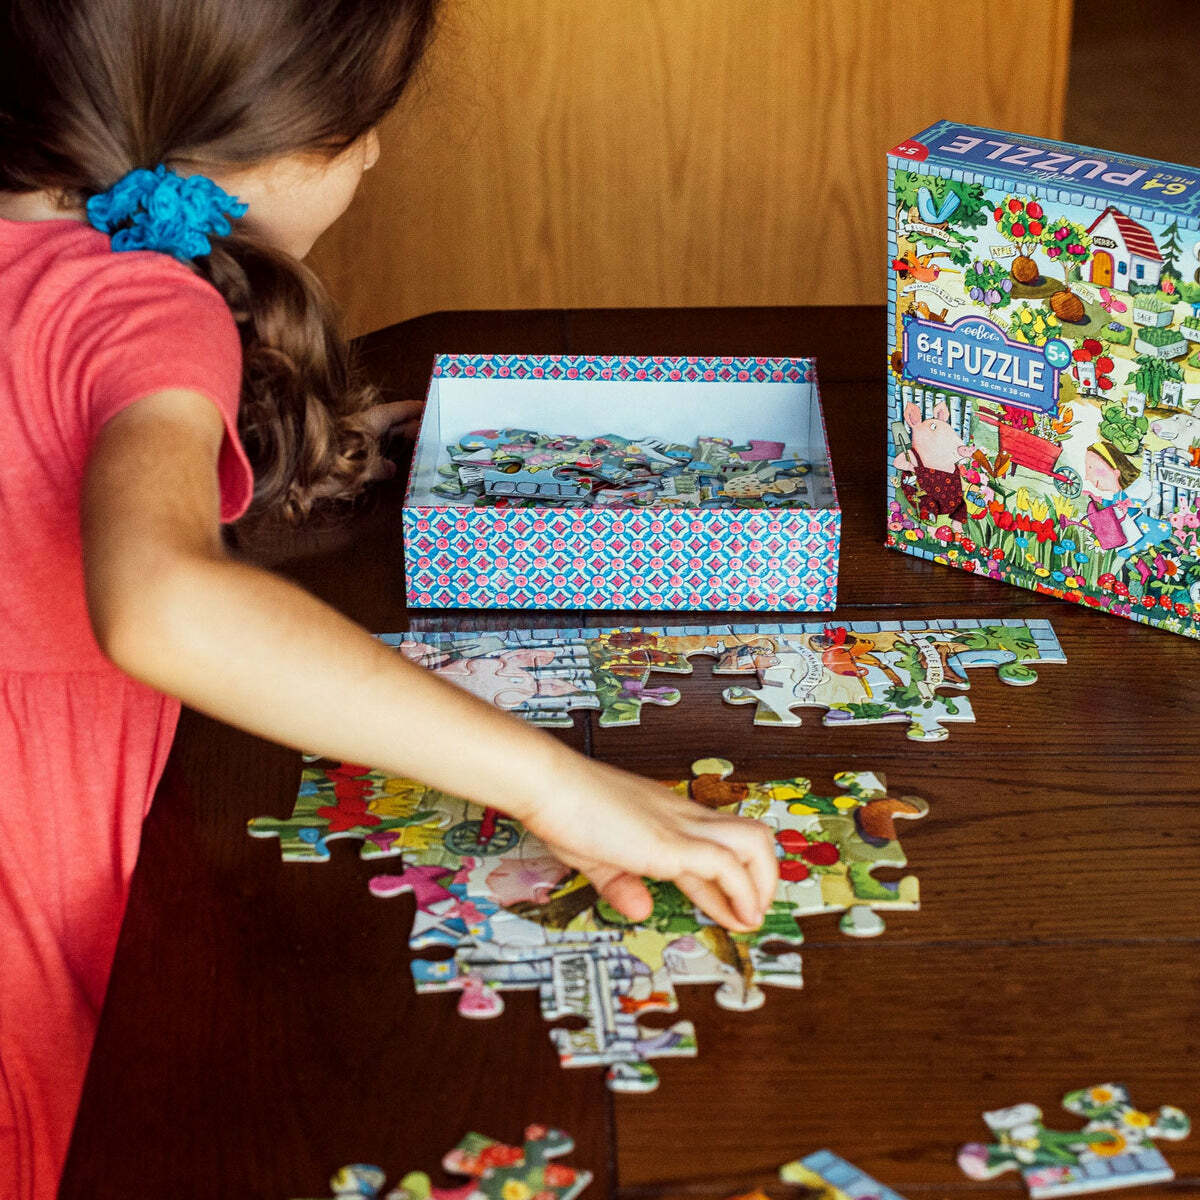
160, 210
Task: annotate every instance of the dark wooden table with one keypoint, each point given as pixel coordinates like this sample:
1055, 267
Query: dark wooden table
261, 1027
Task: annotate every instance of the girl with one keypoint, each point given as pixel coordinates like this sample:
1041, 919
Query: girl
165, 364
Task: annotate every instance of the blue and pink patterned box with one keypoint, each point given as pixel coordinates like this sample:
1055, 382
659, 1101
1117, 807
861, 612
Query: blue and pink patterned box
720, 558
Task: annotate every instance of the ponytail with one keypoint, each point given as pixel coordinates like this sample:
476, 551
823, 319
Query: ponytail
92, 89
299, 418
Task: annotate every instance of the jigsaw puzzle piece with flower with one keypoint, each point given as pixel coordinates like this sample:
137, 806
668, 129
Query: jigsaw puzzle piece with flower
497, 1172
1113, 1150
622, 660
342, 800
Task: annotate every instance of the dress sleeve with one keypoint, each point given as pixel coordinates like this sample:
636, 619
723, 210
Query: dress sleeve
155, 326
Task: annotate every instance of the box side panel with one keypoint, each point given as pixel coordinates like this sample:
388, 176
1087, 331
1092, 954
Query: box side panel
631, 559
1043, 423
1017, 160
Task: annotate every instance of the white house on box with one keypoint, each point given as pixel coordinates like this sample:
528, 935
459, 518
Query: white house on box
1123, 251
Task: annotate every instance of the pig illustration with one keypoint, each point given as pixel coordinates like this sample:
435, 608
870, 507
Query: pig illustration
1181, 430
934, 458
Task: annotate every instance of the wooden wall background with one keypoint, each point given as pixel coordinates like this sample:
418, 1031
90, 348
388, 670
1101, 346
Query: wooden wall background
596, 153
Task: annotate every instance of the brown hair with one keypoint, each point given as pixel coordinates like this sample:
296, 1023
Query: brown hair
92, 89
1127, 470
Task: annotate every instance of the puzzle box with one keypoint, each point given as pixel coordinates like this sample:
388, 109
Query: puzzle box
622, 557
1044, 368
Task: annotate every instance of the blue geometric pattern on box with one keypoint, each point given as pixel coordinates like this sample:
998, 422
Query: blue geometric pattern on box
555, 558
650, 368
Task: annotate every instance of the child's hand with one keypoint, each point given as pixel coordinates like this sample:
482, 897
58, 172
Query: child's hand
616, 827
401, 417
379, 423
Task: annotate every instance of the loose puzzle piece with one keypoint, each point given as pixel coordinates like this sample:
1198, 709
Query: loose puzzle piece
497, 1171
829, 1177
860, 673
1112, 1150
517, 918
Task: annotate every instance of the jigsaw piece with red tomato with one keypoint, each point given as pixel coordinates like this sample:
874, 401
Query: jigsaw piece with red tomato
829, 846
497, 1171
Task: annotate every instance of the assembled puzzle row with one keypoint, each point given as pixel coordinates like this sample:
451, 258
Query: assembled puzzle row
860, 673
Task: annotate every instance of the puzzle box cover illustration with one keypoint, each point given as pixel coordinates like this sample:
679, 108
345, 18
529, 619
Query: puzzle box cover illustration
1044, 368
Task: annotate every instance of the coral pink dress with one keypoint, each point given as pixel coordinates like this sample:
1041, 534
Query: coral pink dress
83, 333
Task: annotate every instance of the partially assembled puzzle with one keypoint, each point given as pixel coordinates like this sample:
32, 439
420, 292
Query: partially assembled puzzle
860, 673
517, 918
1113, 1150
497, 1172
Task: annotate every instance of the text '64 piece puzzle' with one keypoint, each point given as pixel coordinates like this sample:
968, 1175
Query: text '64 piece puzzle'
1044, 368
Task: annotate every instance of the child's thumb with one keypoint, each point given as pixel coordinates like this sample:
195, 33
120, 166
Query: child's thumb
625, 892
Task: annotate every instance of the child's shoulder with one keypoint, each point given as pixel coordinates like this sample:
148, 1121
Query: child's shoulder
67, 266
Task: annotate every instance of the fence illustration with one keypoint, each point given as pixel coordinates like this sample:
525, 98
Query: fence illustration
1174, 482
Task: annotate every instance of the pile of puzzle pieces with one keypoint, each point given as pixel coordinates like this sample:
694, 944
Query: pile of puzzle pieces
520, 467
860, 673
497, 1172
1112, 1150
517, 918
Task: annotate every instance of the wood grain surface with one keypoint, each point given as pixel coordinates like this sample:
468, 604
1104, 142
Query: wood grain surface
671, 152
261, 1027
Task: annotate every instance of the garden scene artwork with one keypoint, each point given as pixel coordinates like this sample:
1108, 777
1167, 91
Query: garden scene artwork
1044, 369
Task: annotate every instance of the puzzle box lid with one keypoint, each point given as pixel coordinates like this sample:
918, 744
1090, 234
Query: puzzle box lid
1075, 172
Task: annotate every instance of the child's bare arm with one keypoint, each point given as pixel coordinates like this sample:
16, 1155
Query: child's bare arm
170, 607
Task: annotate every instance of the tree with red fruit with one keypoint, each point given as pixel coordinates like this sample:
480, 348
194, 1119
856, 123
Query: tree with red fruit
1021, 222
1070, 246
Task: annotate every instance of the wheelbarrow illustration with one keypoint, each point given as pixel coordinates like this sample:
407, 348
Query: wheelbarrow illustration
1034, 453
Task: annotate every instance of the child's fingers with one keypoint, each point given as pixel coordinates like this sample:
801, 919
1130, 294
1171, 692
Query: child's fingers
383, 418
625, 892
708, 897
720, 866
754, 846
